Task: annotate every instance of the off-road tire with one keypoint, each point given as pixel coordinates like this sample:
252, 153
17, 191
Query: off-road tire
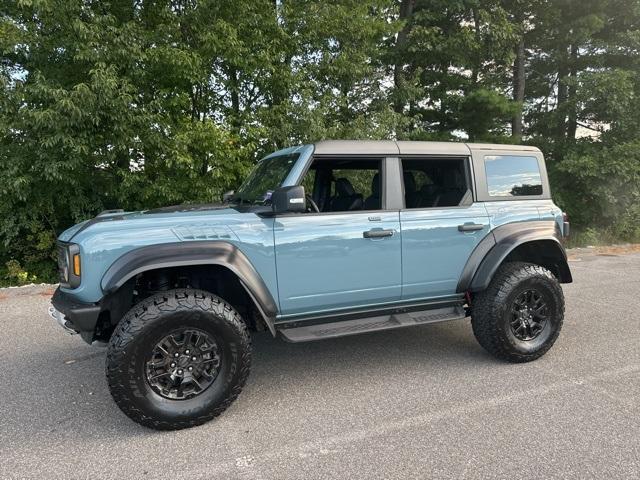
491, 312
139, 331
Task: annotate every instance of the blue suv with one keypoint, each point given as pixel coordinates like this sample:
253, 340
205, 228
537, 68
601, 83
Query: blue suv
321, 241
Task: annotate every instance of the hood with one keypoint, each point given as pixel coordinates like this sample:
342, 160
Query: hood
167, 216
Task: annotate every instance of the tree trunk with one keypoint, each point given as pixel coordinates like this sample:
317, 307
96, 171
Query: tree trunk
518, 89
572, 123
406, 11
561, 122
477, 61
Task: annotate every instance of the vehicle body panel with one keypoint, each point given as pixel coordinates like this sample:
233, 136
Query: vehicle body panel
324, 262
104, 242
434, 251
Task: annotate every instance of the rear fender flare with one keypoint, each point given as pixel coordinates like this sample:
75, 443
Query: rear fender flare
492, 251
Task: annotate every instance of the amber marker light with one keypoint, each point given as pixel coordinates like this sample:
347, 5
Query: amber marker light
76, 265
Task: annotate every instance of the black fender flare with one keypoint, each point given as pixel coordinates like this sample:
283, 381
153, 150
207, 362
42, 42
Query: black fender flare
178, 254
492, 250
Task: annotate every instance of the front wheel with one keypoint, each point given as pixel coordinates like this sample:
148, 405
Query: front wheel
519, 316
178, 359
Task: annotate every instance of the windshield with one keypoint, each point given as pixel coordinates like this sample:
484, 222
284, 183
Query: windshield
267, 175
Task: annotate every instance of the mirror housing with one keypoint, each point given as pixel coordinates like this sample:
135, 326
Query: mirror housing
226, 196
289, 199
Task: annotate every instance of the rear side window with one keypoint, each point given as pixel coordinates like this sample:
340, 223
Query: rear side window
434, 183
512, 175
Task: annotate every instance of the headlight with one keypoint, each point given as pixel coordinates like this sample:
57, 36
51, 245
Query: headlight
69, 264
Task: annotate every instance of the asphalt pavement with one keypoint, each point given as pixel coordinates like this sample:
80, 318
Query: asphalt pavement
423, 402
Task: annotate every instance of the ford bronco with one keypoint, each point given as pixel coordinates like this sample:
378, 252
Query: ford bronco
321, 241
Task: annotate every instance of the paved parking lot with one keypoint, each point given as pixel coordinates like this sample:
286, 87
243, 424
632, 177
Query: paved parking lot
426, 402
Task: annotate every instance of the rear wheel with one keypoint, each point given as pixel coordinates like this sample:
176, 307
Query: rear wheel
519, 316
178, 359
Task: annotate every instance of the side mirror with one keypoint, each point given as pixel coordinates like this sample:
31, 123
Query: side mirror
289, 199
226, 196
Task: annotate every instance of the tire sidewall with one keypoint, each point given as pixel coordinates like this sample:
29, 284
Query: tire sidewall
134, 355
548, 290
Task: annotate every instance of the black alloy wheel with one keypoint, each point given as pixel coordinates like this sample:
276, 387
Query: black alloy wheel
183, 364
529, 315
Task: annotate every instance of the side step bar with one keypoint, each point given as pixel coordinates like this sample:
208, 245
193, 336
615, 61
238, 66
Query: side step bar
371, 324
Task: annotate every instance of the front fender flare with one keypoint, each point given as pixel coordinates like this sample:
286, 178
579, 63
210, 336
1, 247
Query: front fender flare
179, 254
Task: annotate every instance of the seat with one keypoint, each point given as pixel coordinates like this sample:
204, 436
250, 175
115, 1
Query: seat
346, 198
451, 191
410, 193
373, 202
427, 196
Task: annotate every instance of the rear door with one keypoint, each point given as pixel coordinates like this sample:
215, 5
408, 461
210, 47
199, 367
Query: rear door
348, 255
441, 224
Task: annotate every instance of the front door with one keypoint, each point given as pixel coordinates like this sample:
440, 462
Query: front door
348, 254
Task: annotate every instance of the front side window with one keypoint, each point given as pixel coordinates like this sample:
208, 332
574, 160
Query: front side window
512, 175
266, 176
345, 185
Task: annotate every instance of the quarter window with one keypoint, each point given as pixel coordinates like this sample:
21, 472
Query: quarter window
512, 176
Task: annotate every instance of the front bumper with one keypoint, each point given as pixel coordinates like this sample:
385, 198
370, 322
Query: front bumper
74, 316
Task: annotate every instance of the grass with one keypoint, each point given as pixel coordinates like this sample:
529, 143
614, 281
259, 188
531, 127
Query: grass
592, 237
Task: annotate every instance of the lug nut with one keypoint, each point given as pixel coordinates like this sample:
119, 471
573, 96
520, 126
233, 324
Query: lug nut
173, 364
176, 354
190, 369
179, 372
186, 352
193, 359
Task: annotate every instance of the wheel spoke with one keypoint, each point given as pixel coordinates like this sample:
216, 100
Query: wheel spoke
170, 341
529, 314
157, 362
163, 350
197, 383
159, 375
169, 356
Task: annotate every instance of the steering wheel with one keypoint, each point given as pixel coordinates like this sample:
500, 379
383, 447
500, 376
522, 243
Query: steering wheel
311, 205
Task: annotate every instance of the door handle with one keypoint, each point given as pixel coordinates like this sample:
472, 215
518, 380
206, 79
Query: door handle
470, 227
378, 233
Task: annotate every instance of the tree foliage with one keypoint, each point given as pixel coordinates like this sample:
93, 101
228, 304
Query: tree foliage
137, 104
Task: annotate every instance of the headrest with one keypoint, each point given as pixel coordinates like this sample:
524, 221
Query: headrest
409, 182
344, 188
375, 185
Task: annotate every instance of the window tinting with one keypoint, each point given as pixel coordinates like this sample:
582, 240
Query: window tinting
512, 176
341, 185
434, 183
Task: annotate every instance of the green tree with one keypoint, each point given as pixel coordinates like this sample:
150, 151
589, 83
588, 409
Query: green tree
122, 104
450, 69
